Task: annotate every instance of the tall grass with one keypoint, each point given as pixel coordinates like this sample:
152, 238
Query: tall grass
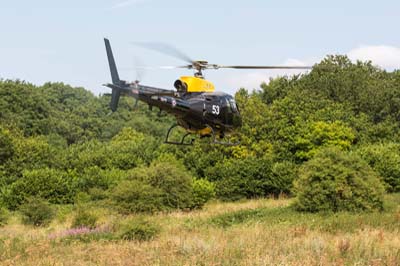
256, 232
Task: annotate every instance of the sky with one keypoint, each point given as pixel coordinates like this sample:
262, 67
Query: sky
62, 41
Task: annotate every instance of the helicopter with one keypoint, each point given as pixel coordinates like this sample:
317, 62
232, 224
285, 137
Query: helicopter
197, 107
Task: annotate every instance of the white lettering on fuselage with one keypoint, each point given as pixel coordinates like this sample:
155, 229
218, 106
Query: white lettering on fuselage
215, 109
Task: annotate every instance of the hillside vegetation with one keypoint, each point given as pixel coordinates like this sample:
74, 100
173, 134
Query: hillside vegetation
59, 142
328, 140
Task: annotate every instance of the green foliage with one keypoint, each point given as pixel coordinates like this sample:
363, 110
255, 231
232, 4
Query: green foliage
95, 177
203, 191
336, 181
129, 149
200, 158
385, 160
50, 184
283, 174
37, 212
171, 179
250, 177
321, 222
322, 134
97, 194
57, 141
237, 217
164, 185
84, 218
6, 144
138, 229
3, 216
132, 196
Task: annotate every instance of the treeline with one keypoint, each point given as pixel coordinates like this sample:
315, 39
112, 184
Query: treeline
62, 144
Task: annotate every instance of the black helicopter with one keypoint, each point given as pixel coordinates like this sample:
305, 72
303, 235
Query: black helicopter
197, 108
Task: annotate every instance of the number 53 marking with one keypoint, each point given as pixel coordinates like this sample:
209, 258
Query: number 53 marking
215, 109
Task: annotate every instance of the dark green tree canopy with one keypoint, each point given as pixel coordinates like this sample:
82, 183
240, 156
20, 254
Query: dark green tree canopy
61, 143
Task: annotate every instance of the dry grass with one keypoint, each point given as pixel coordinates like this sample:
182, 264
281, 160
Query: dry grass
258, 241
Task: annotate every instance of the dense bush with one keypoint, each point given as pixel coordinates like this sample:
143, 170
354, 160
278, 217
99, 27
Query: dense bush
203, 191
385, 160
171, 179
337, 181
138, 229
132, 196
7, 147
321, 134
164, 185
50, 184
57, 141
249, 177
283, 174
95, 177
37, 212
84, 218
3, 216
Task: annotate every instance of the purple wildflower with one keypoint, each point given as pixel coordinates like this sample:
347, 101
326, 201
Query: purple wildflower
78, 231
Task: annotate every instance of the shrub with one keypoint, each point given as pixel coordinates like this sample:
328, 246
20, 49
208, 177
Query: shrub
37, 212
3, 216
84, 218
244, 178
97, 194
130, 149
321, 134
6, 144
203, 191
385, 160
95, 177
337, 181
283, 175
132, 196
138, 229
50, 184
170, 179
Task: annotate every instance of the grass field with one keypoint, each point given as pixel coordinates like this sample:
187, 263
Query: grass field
254, 232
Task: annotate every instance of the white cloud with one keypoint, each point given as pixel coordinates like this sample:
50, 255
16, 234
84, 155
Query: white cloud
127, 3
387, 57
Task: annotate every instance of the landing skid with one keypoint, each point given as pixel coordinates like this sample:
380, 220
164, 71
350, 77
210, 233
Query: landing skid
182, 142
191, 142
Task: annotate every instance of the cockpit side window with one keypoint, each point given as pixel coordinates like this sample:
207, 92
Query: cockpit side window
228, 106
233, 105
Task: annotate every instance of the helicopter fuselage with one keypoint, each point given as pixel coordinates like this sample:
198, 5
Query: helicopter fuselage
197, 112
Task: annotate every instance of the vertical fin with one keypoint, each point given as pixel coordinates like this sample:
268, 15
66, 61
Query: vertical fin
111, 62
116, 90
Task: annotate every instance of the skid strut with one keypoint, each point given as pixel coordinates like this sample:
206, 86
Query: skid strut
182, 142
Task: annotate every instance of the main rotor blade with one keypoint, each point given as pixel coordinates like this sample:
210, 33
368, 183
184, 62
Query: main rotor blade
155, 67
263, 67
165, 49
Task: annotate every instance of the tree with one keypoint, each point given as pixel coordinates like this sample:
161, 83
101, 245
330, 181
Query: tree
334, 180
321, 134
384, 158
